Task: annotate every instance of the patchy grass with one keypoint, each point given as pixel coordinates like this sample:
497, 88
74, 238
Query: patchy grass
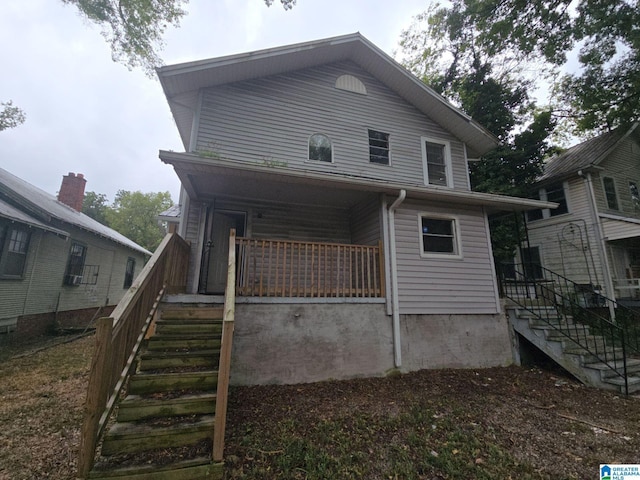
501, 423
41, 397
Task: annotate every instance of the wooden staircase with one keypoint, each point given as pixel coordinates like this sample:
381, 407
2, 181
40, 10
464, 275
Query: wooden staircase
164, 425
546, 329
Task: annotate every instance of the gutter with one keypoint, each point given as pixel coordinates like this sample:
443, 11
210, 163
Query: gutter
600, 240
395, 307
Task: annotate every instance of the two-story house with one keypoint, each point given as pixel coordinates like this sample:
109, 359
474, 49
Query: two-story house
58, 267
593, 237
361, 247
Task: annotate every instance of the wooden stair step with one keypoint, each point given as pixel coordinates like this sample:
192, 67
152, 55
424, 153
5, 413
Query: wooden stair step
164, 328
157, 359
130, 437
147, 383
136, 407
201, 468
191, 312
179, 342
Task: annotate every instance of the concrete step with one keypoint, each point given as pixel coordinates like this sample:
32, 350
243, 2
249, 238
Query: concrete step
147, 383
130, 437
580, 334
136, 407
158, 359
633, 366
633, 383
201, 468
588, 357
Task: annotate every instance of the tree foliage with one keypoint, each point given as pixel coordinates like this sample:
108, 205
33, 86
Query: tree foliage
133, 214
602, 94
10, 116
134, 28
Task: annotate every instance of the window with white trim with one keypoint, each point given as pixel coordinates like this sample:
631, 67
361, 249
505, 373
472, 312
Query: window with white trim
320, 149
14, 246
436, 158
635, 194
551, 193
439, 236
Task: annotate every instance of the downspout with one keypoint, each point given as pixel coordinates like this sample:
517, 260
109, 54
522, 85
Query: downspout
397, 354
600, 240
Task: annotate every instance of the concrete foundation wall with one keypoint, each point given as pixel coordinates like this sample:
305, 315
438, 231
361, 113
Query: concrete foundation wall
298, 343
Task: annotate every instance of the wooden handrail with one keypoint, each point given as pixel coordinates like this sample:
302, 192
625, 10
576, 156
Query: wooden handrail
118, 339
224, 367
286, 268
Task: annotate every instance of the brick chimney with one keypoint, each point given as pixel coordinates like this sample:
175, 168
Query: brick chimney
72, 190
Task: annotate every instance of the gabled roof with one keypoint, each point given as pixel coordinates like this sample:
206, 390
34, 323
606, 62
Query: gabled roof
182, 82
42, 207
584, 155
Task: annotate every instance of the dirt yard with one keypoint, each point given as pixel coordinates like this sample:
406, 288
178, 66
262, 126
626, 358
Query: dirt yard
501, 423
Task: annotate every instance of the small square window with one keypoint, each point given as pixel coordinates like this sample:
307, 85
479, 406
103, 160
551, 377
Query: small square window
439, 236
378, 147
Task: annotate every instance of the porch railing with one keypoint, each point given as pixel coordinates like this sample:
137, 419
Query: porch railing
118, 339
282, 268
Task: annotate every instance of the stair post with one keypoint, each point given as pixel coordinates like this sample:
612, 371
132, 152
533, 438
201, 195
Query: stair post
225, 352
96, 395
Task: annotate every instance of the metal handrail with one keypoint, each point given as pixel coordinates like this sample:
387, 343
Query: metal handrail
575, 311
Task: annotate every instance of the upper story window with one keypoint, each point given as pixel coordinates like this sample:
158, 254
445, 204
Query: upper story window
436, 158
635, 194
129, 272
378, 147
320, 148
14, 246
551, 193
610, 192
75, 265
439, 236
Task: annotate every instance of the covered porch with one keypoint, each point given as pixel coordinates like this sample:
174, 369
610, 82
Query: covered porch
623, 249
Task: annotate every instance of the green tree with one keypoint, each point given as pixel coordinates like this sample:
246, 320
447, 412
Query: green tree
134, 28
605, 91
10, 116
95, 205
134, 214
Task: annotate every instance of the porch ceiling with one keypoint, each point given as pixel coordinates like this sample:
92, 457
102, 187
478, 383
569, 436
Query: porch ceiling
204, 178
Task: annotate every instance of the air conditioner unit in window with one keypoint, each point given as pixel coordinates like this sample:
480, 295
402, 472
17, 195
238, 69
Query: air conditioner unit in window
73, 279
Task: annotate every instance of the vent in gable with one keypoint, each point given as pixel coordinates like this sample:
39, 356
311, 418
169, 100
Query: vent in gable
351, 84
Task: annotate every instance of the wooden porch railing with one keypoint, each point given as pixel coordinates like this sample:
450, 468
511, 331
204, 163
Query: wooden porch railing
224, 367
118, 338
282, 268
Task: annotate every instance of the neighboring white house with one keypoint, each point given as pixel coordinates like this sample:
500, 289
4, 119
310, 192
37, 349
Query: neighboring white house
57, 265
362, 247
593, 237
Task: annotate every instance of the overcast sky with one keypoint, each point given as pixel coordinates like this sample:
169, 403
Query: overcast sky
87, 114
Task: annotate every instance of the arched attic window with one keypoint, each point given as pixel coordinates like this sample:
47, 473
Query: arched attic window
351, 84
320, 148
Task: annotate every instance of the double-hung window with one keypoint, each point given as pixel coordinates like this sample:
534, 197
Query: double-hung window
610, 193
551, 193
75, 265
439, 236
13, 251
378, 147
436, 158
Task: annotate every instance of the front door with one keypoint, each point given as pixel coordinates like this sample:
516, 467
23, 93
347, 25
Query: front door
217, 248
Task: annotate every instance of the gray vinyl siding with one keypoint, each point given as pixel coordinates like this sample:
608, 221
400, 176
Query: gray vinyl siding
366, 222
568, 243
623, 165
270, 120
444, 285
41, 290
